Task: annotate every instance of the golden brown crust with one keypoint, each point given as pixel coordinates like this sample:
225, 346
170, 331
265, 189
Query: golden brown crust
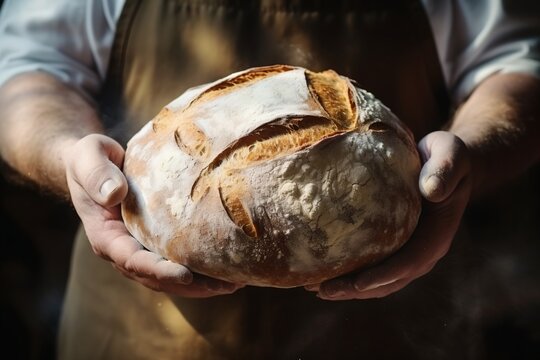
241, 80
334, 94
231, 191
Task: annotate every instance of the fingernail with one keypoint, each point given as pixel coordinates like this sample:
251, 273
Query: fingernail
433, 186
108, 187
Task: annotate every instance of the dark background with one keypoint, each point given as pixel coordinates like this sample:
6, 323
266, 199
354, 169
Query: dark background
503, 297
36, 232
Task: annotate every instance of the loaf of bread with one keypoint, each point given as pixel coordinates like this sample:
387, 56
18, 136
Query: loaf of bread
273, 176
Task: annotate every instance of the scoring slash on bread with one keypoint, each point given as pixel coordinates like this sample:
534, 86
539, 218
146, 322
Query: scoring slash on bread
273, 176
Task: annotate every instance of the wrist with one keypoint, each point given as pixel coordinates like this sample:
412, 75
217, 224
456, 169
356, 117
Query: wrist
41, 117
499, 126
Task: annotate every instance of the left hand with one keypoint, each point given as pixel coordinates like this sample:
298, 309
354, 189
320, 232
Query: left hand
97, 186
445, 182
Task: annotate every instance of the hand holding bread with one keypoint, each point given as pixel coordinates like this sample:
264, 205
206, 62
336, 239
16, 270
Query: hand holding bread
445, 182
97, 186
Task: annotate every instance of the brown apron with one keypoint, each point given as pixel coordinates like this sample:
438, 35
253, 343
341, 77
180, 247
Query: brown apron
164, 47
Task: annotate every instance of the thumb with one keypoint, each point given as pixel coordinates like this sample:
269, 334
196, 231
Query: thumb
96, 167
446, 163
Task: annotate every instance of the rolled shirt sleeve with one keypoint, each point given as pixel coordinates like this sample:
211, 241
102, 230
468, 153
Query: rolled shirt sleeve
68, 39
478, 38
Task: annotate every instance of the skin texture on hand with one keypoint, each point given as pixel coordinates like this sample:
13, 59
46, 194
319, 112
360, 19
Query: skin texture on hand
97, 187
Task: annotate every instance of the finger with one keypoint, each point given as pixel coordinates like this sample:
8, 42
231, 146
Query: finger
384, 289
336, 288
96, 168
115, 245
361, 286
204, 286
377, 292
201, 287
387, 276
446, 163
355, 286
147, 264
150, 269
127, 253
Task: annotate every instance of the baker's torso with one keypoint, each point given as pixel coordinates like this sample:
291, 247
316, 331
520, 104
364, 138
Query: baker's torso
164, 47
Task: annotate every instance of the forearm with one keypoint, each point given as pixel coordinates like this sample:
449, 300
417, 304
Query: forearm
500, 124
39, 116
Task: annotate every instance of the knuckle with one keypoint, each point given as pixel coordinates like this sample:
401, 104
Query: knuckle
132, 267
95, 177
99, 251
136, 265
168, 271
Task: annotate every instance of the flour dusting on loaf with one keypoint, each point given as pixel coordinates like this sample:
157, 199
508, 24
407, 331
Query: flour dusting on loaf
273, 176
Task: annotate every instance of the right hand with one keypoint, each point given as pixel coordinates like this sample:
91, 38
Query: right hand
97, 187
447, 161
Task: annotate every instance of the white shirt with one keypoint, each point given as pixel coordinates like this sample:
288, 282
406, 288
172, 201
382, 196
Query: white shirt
474, 39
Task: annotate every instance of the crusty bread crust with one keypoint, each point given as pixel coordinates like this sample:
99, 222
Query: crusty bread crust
273, 176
